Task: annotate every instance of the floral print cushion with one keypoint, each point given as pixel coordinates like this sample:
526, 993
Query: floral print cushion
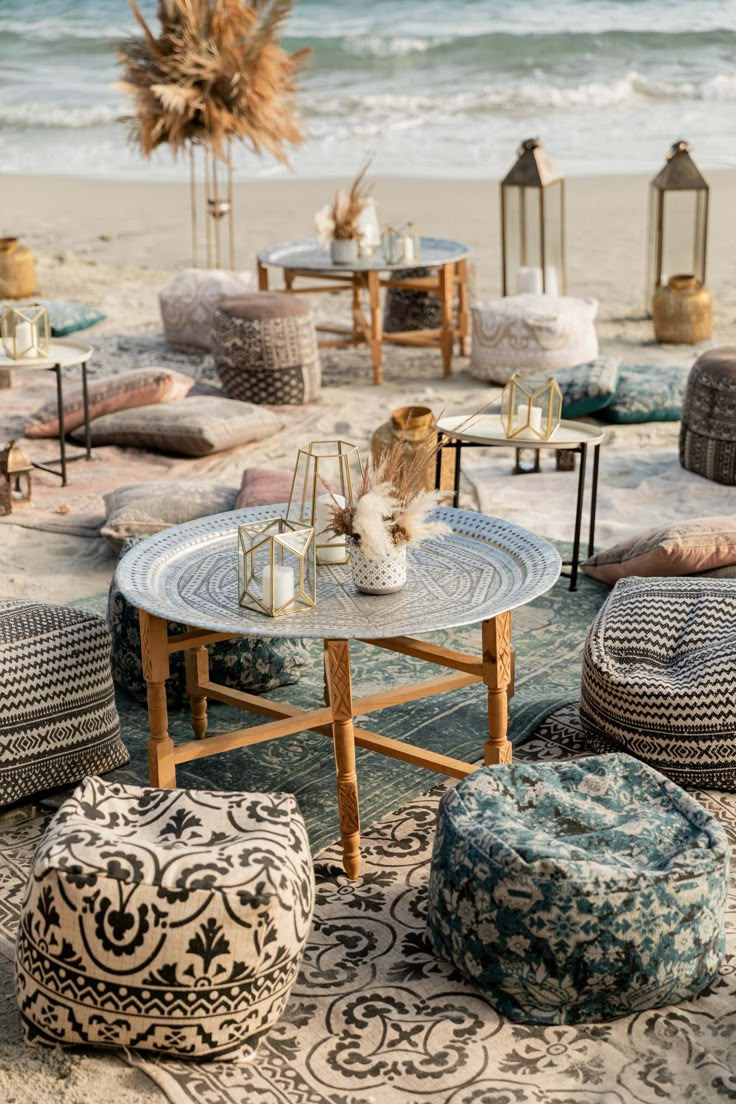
587, 388
578, 892
648, 393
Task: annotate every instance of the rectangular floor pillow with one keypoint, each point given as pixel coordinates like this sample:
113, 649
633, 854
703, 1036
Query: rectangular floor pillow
647, 393
192, 427
687, 547
141, 387
140, 509
588, 388
66, 316
263, 487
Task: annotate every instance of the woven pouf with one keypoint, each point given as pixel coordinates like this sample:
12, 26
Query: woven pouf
532, 333
58, 720
659, 677
265, 348
407, 309
164, 920
578, 891
708, 427
189, 302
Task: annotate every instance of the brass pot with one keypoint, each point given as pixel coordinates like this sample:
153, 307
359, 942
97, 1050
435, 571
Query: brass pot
17, 270
412, 425
682, 312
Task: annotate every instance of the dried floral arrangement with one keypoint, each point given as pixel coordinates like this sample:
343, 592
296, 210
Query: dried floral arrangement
392, 506
214, 73
341, 218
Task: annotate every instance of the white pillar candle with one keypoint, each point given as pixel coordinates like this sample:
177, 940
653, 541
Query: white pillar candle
336, 552
534, 419
283, 586
409, 248
529, 280
26, 336
551, 280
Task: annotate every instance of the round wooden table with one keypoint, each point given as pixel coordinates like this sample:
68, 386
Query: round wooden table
307, 259
62, 354
189, 574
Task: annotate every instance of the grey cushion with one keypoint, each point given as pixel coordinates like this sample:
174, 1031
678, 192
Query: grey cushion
139, 509
191, 427
58, 720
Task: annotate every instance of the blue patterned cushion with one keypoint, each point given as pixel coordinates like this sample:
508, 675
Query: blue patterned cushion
66, 316
648, 393
580, 891
587, 388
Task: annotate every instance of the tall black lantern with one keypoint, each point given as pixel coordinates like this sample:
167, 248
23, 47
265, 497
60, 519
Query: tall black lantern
678, 221
533, 224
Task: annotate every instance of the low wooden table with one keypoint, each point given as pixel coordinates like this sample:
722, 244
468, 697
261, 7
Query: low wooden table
448, 259
188, 574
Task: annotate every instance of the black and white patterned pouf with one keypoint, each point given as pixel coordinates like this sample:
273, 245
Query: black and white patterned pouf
708, 427
409, 309
58, 720
265, 348
164, 920
659, 678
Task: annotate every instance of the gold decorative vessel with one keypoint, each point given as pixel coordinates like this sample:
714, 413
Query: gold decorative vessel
17, 270
682, 312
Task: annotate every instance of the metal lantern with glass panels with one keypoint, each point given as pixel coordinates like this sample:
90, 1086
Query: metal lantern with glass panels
531, 407
276, 567
533, 224
26, 332
678, 221
326, 473
15, 469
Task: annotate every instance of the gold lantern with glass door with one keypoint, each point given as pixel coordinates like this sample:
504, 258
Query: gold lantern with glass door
326, 473
678, 222
533, 224
16, 468
531, 407
26, 332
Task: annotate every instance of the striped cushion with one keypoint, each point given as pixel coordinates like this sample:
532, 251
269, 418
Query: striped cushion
659, 677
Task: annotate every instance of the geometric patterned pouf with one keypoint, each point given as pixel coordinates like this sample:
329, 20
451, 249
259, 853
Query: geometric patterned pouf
164, 920
409, 308
579, 891
58, 720
708, 428
265, 348
659, 677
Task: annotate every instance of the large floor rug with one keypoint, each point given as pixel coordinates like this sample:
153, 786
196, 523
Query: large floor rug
548, 635
375, 1018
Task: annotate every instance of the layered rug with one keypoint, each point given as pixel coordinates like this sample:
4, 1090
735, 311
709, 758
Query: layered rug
375, 1018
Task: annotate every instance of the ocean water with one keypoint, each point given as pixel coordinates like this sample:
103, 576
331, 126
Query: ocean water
427, 87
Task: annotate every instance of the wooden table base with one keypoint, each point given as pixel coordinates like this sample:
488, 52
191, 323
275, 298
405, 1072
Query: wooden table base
336, 719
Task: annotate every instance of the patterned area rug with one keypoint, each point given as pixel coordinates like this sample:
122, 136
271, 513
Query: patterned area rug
376, 1019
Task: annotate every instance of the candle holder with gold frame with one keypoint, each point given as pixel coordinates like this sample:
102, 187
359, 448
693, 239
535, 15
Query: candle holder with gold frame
531, 407
266, 546
324, 469
26, 332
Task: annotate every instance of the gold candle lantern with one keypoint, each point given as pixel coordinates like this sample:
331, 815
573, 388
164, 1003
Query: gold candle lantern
401, 244
15, 469
325, 473
531, 407
678, 221
276, 567
533, 224
25, 332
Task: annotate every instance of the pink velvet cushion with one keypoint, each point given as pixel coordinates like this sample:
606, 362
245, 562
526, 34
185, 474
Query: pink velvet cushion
263, 487
141, 387
683, 548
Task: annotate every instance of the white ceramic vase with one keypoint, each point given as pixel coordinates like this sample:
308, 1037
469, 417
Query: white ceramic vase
384, 576
344, 251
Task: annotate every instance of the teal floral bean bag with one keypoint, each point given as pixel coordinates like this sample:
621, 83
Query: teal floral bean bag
578, 892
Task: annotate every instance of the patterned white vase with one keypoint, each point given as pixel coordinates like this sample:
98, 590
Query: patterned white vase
384, 576
344, 251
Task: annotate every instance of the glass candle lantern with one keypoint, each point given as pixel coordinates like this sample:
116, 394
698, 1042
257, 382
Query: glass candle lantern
25, 332
326, 473
276, 567
531, 407
15, 469
678, 222
533, 224
401, 244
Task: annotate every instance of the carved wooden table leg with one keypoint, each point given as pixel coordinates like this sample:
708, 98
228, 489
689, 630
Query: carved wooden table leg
376, 334
197, 665
497, 675
155, 657
462, 306
357, 309
262, 277
337, 673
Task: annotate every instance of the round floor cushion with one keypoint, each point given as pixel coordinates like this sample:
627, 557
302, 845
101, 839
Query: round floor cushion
708, 427
265, 348
580, 891
659, 677
171, 921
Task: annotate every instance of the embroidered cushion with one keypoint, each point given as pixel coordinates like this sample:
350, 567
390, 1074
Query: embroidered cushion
66, 316
588, 388
142, 387
578, 892
708, 430
189, 302
263, 487
659, 678
58, 719
139, 509
683, 548
171, 921
531, 333
192, 427
265, 348
251, 663
647, 393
